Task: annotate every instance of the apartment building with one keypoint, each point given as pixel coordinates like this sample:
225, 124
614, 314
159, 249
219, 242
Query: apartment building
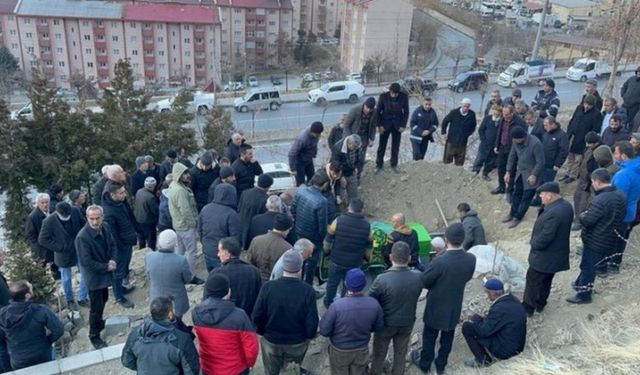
320, 17
375, 28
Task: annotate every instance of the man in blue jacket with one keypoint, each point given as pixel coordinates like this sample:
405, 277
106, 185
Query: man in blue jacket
424, 122
303, 150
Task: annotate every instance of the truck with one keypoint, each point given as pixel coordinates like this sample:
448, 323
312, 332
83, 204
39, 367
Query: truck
202, 103
522, 73
587, 68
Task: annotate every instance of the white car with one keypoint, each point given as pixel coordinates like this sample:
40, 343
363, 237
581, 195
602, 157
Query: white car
234, 86
354, 77
347, 91
283, 179
253, 81
202, 103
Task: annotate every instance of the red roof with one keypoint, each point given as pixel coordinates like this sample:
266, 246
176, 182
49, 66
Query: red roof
170, 13
268, 4
7, 6
534, 6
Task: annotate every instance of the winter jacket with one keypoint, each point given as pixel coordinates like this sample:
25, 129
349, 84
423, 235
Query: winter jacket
232, 152
459, 127
286, 312
159, 348
393, 113
587, 165
547, 104
32, 228
303, 150
488, 132
397, 290
212, 187
219, 219
550, 238
599, 101
556, 148
516, 121
446, 277
335, 135
581, 123
29, 330
121, 221
357, 123
164, 216
528, 158
610, 136
309, 210
627, 180
537, 129
490, 103
5, 296
59, 237
603, 221
265, 250
349, 321
262, 224
504, 330
252, 202
95, 250
422, 120
168, 274
146, 208
201, 180
165, 168
137, 182
182, 204
349, 160
630, 92
350, 238
244, 282
246, 173
473, 230
98, 189
227, 341
410, 237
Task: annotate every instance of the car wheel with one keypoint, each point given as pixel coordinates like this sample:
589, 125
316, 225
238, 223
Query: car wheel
165, 110
321, 101
274, 106
353, 98
244, 109
203, 110
583, 79
460, 89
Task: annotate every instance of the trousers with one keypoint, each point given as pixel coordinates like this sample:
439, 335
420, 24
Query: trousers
97, 301
337, 273
419, 150
521, 199
66, 276
584, 282
275, 357
382, 147
304, 173
429, 337
485, 160
187, 246
573, 164
454, 152
348, 362
122, 270
471, 337
536, 290
400, 337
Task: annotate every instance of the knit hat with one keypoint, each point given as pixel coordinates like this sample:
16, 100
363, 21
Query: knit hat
494, 285
74, 194
592, 82
370, 102
291, 261
592, 137
549, 187
206, 159
518, 132
172, 154
589, 99
551, 83
226, 172
265, 181
517, 93
283, 222
603, 156
167, 239
150, 182
355, 280
455, 234
217, 285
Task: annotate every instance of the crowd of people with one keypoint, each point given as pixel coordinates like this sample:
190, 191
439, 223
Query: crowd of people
263, 252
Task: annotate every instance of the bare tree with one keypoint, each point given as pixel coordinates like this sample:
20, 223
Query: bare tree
457, 52
618, 33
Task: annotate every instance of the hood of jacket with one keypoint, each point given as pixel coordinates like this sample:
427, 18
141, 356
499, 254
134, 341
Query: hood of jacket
603, 156
152, 331
471, 212
213, 311
17, 313
177, 171
403, 229
225, 194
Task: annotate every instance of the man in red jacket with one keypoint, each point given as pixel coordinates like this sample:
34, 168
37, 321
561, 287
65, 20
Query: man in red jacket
227, 341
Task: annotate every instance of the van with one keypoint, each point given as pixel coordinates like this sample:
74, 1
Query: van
468, 81
264, 98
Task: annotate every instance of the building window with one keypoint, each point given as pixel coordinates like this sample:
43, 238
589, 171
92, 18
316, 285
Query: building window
147, 25
89, 65
59, 51
134, 52
10, 18
73, 43
88, 51
132, 25
56, 22
13, 32
160, 53
58, 36
30, 50
61, 64
236, 21
73, 30
63, 78
237, 34
272, 11
14, 45
238, 10
114, 25
133, 38
187, 40
251, 34
260, 11
188, 66
136, 66
260, 34
85, 23
75, 57
87, 37
116, 51
159, 26
187, 54
162, 66
174, 47
186, 27
160, 39
27, 21
272, 23
114, 38
149, 66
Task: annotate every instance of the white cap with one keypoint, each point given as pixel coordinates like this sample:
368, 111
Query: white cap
438, 243
167, 239
466, 101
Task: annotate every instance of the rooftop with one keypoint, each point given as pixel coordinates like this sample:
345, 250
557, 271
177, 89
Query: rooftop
574, 3
69, 9
170, 13
7, 6
268, 4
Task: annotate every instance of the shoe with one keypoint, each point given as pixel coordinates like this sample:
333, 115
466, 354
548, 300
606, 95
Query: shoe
98, 343
395, 170
378, 171
83, 303
498, 190
415, 359
125, 303
71, 305
569, 180
507, 219
486, 177
127, 290
126, 283
577, 300
196, 281
319, 294
513, 223
576, 227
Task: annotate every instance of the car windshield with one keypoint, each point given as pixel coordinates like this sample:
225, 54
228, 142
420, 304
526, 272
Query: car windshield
511, 71
579, 65
324, 88
461, 77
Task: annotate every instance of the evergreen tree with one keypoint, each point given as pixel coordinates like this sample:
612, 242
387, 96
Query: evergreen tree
218, 129
21, 266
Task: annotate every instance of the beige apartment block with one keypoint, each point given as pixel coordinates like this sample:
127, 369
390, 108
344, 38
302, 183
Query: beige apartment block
320, 17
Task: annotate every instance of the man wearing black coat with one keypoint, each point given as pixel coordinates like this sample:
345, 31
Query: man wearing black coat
549, 246
555, 145
262, 223
347, 154
5, 296
252, 202
445, 277
488, 131
502, 333
137, 178
586, 118
32, 228
146, 210
234, 147
362, 120
424, 122
502, 147
302, 152
393, 113
457, 127
246, 168
202, 176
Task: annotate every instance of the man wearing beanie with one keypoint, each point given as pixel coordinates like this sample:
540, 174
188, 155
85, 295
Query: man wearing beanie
168, 272
393, 113
588, 164
445, 278
547, 101
302, 152
362, 120
203, 174
286, 316
146, 209
266, 249
424, 122
549, 246
138, 177
586, 118
526, 158
457, 127
348, 324
226, 175
501, 334
227, 341
252, 202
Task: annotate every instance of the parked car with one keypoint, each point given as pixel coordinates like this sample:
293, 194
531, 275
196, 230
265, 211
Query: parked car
587, 68
263, 98
202, 103
354, 77
276, 81
307, 77
419, 85
468, 81
253, 81
350, 91
234, 86
283, 179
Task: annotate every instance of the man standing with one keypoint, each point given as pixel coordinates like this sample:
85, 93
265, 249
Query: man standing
516, 95
611, 108
588, 164
202, 176
253, 201
158, 346
146, 209
348, 239
535, 124
445, 277
336, 133
585, 119
549, 247
244, 278
347, 153
97, 250
138, 177
630, 92
226, 175
503, 146
403, 233
615, 132
424, 122
245, 169
362, 120
601, 224
527, 160
32, 228
286, 316
487, 132
494, 100
266, 249
393, 113
556, 148
28, 328
234, 147
348, 324
547, 101
502, 333
184, 215
303, 246
397, 290
263, 223
302, 152
457, 126
473, 229
591, 88
171, 158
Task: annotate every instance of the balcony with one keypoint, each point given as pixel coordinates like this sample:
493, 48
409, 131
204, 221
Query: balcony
46, 55
149, 59
48, 70
101, 44
147, 32
103, 71
199, 34
44, 42
199, 47
102, 58
200, 60
98, 30
148, 43
150, 73
42, 28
